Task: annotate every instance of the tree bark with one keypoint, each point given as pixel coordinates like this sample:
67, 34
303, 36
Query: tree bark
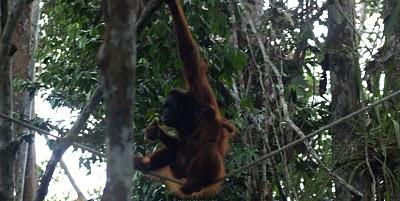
391, 15
8, 146
23, 68
31, 179
345, 81
117, 62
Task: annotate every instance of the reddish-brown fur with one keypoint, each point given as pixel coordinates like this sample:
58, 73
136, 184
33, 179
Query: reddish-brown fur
197, 158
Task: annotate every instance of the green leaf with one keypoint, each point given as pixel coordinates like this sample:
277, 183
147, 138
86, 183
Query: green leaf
50, 143
27, 137
377, 114
396, 131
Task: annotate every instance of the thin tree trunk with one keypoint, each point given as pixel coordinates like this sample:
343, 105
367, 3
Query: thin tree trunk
345, 80
391, 15
117, 62
31, 179
23, 68
8, 146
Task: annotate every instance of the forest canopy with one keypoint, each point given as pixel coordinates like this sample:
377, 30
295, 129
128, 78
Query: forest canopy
280, 71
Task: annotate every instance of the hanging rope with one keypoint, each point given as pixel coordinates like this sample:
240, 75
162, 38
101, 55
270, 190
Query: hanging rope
44, 132
83, 147
234, 172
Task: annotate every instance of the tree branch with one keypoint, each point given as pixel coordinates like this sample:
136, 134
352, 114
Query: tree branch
150, 8
72, 180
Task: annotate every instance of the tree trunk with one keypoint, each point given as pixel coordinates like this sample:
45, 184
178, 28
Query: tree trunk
117, 62
23, 68
345, 81
10, 13
6, 136
391, 14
